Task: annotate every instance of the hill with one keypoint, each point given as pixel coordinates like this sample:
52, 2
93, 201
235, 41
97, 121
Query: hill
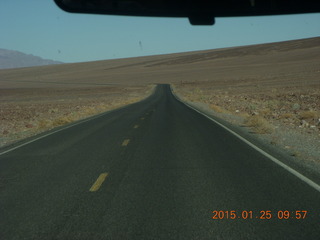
15, 59
287, 62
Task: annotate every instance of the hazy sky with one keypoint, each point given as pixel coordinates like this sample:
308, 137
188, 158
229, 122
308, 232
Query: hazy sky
40, 28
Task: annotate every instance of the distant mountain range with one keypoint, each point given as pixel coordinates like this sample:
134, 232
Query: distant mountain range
15, 59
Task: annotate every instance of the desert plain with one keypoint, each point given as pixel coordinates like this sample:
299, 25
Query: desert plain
273, 89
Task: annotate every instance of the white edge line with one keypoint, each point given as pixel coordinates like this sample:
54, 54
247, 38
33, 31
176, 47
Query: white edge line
286, 167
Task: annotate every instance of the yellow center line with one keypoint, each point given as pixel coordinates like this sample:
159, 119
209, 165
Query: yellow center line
136, 126
95, 187
125, 142
142, 118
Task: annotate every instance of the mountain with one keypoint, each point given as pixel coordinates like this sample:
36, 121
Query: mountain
15, 59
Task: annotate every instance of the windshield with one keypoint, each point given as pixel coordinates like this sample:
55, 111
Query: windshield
119, 127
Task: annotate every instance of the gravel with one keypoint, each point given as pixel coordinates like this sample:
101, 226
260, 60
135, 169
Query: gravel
302, 147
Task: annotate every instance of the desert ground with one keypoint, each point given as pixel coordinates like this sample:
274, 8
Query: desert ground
272, 88
26, 112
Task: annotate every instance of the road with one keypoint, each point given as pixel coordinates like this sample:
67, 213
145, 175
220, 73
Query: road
153, 170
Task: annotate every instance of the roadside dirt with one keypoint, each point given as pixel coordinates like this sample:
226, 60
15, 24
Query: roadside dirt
285, 117
27, 112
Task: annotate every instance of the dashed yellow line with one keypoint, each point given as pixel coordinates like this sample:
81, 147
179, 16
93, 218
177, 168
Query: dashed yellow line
95, 187
136, 126
125, 142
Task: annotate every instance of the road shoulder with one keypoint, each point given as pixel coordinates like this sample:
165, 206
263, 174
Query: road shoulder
309, 169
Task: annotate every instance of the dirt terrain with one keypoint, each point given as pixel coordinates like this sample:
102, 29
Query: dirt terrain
26, 112
273, 88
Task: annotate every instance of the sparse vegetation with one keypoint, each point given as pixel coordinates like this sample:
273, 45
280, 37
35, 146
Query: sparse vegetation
308, 115
286, 116
259, 124
265, 112
21, 118
217, 108
272, 104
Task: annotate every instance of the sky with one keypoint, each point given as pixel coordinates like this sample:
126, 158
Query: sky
40, 28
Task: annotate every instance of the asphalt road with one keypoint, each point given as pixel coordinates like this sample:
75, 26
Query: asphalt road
152, 170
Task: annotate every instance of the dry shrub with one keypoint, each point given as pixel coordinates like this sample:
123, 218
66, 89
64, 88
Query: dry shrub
259, 124
265, 112
308, 115
62, 121
197, 91
217, 108
44, 123
244, 115
286, 116
273, 104
53, 110
89, 111
129, 101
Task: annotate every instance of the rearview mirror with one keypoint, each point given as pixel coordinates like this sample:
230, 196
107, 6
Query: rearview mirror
199, 12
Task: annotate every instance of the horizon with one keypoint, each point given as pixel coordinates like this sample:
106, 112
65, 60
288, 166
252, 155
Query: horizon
50, 33
173, 53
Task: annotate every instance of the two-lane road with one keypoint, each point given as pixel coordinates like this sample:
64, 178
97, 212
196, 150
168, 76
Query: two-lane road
153, 170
